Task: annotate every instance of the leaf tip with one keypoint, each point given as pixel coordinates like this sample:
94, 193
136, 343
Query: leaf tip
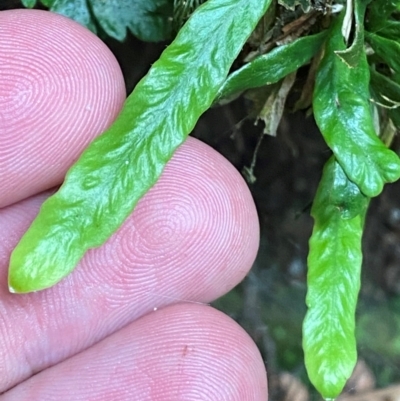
13, 286
21, 279
11, 289
18, 286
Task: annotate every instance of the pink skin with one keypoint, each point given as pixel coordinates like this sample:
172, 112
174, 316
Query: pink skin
130, 322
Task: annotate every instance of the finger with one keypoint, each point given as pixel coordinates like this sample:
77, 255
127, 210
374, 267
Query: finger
192, 238
184, 352
60, 87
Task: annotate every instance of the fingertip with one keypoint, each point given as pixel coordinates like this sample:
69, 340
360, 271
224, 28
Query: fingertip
61, 87
182, 352
211, 351
192, 238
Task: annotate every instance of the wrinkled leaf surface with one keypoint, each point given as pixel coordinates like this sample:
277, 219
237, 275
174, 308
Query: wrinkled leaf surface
334, 265
341, 105
120, 166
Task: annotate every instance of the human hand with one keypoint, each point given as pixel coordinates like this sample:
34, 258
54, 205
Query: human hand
130, 323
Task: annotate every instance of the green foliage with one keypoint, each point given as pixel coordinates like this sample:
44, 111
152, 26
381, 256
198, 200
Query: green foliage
355, 53
334, 264
149, 20
128, 158
379, 14
385, 44
387, 92
387, 49
76, 10
355, 101
29, 3
273, 66
361, 166
343, 113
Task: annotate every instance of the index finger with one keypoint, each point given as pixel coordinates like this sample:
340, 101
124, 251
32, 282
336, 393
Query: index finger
60, 87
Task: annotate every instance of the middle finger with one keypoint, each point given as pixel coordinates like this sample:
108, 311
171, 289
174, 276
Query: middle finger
192, 238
